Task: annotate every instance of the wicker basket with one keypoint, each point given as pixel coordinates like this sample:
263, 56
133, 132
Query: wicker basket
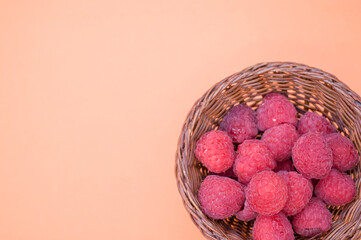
309, 89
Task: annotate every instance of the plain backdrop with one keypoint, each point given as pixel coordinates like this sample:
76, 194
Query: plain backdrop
93, 95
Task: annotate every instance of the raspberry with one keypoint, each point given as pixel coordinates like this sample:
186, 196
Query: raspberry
311, 156
272, 227
274, 110
220, 197
280, 140
344, 153
240, 123
253, 156
215, 151
267, 193
336, 189
313, 219
300, 192
246, 214
285, 166
312, 122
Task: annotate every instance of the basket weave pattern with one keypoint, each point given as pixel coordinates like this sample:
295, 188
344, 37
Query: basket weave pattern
309, 89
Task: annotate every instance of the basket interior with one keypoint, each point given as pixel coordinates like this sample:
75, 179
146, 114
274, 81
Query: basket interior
308, 89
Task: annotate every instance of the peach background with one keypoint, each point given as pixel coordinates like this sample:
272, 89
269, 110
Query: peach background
93, 95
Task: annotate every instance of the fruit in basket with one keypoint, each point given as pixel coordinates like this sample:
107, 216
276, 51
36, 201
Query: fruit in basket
336, 189
312, 156
215, 151
300, 192
240, 123
275, 109
253, 156
313, 219
220, 197
344, 153
280, 140
312, 122
246, 214
267, 193
303, 159
273, 227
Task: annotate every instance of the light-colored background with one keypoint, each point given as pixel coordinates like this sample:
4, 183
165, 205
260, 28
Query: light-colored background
93, 95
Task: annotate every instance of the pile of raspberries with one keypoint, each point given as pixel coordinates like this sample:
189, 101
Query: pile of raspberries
285, 179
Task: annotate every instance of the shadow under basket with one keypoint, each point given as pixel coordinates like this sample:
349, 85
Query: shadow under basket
309, 89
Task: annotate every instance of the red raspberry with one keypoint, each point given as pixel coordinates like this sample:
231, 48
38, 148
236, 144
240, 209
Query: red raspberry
336, 189
344, 153
253, 156
280, 140
267, 193
313, 219
240, 123
285, 166
311, 156
300, 192
215, 151
220, 197
273, 227
274, 110
312, 122
246, 214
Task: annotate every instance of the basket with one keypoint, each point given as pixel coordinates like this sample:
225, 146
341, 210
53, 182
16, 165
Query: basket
309, 89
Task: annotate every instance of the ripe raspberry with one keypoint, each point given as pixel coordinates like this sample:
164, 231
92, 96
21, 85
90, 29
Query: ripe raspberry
253, 156
313, 219
274, 110
285, 166
267, 193
300, 192
273, 227
336, 189
344, 153
246, 214
240, 123
220, 197
215, 151
312, 122
280, 140
311, 156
